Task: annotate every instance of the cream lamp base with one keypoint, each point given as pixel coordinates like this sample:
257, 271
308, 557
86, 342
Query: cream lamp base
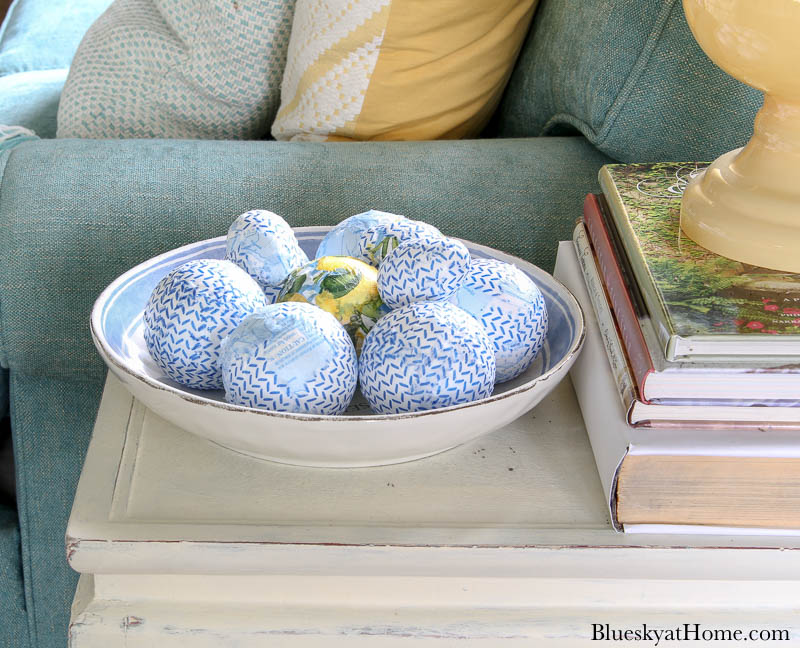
725, 212
746, 206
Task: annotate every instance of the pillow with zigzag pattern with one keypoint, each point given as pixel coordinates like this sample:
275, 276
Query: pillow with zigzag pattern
397, 69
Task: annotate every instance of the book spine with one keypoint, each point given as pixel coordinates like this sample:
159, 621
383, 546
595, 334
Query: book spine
594, 386
655, 305
638, 355
605, 320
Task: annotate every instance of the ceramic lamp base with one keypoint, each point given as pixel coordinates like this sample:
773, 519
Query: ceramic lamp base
726, 212
747, 204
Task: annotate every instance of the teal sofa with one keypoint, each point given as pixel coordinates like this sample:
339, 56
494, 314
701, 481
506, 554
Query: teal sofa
597, 80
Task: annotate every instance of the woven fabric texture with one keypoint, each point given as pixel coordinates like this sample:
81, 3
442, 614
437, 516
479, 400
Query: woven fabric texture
43, 35
73, 217
397, 69
631, 78
30, 99
52, 423
13, 619
207, 69
331, 59
3, 393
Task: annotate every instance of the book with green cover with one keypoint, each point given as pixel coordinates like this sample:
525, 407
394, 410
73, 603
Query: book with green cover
705, 307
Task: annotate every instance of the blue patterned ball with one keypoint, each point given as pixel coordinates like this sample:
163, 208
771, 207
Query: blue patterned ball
290, 357
264, 245
512, 310
191, 311
376, 242
424, 356
423, 270
342, 240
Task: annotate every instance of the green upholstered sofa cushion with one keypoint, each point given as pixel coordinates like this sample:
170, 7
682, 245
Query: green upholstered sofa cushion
629, 76
43, 35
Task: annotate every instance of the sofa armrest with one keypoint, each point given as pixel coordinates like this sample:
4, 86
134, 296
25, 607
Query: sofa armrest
76, 213
14, 628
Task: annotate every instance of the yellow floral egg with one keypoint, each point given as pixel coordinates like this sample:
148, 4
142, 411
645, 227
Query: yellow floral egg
345, 287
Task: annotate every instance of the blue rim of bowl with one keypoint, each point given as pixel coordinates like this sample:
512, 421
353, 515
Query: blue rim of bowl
107, 297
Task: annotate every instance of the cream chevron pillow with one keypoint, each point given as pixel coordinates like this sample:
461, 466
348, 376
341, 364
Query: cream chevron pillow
397, 69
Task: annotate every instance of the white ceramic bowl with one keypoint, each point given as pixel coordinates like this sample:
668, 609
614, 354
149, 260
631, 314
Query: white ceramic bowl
357, 438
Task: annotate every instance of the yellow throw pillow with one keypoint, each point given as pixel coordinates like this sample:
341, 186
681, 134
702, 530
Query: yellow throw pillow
397, 69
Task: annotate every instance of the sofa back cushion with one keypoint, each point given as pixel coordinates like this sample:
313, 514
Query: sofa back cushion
629, 75
398, 69
30, 100
43, 35
206, 69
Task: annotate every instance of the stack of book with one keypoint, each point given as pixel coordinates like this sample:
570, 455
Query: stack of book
689, 381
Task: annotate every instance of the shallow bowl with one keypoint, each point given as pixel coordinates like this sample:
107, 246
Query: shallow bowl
357, 438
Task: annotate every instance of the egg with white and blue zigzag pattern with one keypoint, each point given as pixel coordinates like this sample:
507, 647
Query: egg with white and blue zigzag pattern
425, 356
376, 242
423, 270
262, 243
342, 240
512, 310
290, 357
190, 312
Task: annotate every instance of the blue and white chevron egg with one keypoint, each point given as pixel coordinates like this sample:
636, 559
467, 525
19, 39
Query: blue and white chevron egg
512, 310
290, 357
191, 311
376, 242
426, 269
264, 245
342, 240
424, 356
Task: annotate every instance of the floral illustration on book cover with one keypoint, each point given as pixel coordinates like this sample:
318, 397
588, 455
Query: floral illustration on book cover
704, 293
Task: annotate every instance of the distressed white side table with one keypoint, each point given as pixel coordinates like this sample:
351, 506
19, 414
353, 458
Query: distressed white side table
502, 542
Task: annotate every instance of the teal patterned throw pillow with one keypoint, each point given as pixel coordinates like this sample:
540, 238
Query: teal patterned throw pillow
183, 69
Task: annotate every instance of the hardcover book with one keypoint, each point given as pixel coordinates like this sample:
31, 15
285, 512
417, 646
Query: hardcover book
703, 306
681, 480
697, 413
748, 381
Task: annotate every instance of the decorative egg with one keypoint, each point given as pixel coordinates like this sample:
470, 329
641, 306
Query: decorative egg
423, 356
423, 270
264, 245
344, 287
290, 358
191, 311
377, 241
342, 240
512, 310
